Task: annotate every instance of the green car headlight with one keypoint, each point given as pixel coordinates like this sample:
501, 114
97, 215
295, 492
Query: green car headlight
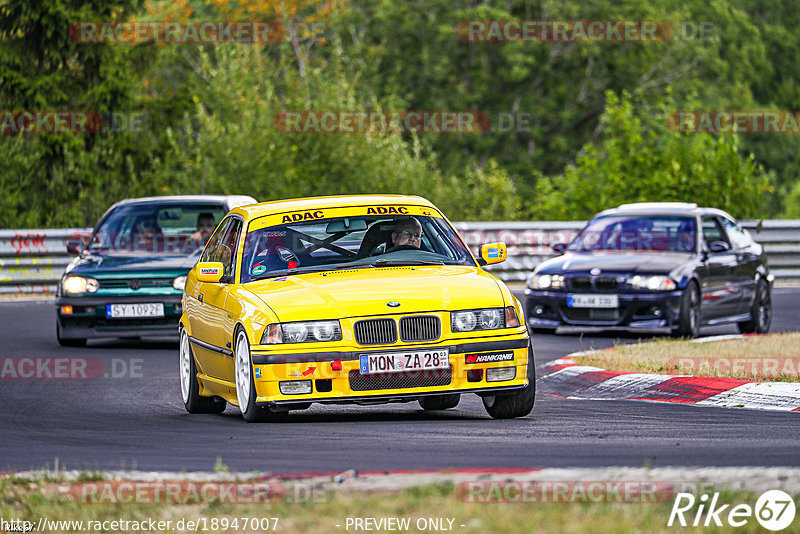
73, 285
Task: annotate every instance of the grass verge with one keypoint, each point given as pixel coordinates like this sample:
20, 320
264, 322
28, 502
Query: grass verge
774, 357
329, 512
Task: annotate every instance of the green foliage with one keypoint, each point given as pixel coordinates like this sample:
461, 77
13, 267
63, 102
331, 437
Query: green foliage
639, 158
211, 108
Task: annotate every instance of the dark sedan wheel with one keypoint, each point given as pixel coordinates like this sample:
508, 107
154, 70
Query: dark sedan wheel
689, 320
69, 342
760, 313
518, 404
440, 402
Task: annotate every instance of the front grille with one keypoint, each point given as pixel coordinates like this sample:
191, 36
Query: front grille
606, 283
375, 332
125, 283
580, 283
420, 328
401, 380
592, 314
593, 283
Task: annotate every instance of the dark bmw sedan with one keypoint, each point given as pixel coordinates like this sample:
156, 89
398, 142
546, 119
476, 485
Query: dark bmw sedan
128, 278
654, 266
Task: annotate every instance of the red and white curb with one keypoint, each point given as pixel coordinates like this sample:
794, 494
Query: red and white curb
565, 378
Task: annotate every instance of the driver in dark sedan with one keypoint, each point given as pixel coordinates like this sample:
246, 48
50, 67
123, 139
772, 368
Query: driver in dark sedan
407, 234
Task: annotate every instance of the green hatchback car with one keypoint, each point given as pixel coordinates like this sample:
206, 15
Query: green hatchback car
128, 278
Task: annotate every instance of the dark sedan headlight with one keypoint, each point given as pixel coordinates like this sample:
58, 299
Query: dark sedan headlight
73, 285
546, 281
652, 283
302, 332
483, 319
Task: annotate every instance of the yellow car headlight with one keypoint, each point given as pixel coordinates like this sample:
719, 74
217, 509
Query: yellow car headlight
484, 319
78, 284
302, 332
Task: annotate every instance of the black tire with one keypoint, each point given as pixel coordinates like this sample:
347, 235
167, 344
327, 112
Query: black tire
517, 404
760, 312
69, 342
689, 319
440, 402
251, 412
192, 400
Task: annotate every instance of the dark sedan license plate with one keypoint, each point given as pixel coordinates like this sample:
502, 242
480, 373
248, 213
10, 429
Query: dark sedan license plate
404, 361
134, 311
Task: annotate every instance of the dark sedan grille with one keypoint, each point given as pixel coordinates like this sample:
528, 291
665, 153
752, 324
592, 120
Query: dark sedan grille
129, 283
420, 328
375, 332
401, 380
593, 283
606, 283
581, 283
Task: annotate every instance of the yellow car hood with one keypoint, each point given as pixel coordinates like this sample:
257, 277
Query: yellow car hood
362, 292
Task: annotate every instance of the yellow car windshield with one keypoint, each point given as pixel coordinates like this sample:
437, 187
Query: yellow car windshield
351, 242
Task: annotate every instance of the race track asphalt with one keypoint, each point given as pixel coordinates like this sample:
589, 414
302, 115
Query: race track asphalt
137, 420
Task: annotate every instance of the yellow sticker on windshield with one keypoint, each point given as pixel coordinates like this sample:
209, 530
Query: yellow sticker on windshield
332, 213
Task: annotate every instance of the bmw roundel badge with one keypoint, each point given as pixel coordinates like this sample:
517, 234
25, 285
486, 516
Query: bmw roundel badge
393, 304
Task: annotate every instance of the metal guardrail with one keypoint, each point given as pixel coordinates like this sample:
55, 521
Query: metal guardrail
32, 261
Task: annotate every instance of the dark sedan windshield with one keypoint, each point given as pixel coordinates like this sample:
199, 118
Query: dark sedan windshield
637, 233
351, 242
161, 228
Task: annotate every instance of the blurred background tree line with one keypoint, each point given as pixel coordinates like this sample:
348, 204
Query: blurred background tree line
597, 133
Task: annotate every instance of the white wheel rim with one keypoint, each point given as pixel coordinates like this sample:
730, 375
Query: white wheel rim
242, 371
185, 366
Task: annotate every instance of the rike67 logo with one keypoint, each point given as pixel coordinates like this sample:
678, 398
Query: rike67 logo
774, 510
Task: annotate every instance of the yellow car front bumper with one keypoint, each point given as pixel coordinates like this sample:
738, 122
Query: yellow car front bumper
335, 377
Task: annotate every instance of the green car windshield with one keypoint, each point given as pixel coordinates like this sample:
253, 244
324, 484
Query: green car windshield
156, 228
351, 242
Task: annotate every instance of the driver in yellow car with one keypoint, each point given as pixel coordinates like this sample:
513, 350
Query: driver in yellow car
407, 233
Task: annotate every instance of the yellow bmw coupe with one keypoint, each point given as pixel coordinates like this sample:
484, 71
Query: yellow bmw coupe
349, 299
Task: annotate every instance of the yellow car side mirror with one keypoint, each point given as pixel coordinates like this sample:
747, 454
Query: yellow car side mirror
209, 271
493, 253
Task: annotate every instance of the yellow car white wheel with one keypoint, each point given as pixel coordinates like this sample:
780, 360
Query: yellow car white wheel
246, 387
190, 387
243, 371
185, 366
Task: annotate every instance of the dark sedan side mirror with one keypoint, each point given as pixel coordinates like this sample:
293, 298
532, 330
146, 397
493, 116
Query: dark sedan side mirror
719, 246
559, 247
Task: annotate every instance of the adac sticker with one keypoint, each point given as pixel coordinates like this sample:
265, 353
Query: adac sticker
494, 252
259, 268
